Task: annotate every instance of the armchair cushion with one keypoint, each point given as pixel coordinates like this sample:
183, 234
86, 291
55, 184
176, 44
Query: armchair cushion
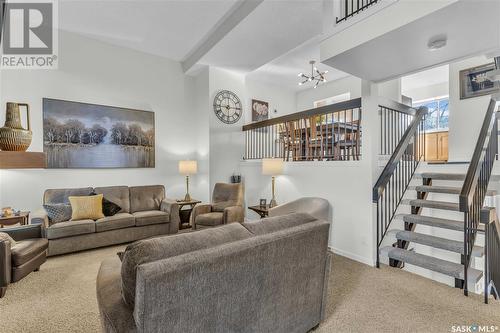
150, 217
28, 249
210, 219
234, 214
227, 195
118, 221
4, 237
70, 228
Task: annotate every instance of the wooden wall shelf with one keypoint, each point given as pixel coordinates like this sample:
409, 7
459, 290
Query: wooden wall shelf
22, 160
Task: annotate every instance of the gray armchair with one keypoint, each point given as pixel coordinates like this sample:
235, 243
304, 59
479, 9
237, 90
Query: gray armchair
26, 256
316, 207
226, 207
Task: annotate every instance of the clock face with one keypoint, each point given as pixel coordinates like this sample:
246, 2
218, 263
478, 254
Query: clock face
227, 107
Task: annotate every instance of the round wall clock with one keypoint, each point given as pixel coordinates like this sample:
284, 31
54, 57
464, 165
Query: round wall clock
227, 107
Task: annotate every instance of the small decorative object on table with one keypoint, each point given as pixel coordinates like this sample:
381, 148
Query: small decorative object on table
185, 213
263, 211
236, 179
263, 202
14, 218
13, 136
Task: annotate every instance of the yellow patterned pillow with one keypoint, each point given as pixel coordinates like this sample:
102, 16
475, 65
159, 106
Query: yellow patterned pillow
89, 207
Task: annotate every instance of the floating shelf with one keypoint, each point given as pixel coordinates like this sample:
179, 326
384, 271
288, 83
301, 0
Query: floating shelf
22, 160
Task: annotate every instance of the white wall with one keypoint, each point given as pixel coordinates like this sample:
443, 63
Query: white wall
466, 116
306, 98
94, 72
280, 99
427, 92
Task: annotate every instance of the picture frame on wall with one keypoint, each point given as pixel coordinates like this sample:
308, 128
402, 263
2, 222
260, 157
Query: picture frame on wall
473, 81
260, 110
90, 136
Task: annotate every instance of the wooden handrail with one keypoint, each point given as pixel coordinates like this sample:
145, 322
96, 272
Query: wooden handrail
474, 170
397, 154
342, 106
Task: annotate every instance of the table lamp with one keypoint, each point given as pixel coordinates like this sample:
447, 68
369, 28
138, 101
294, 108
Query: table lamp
188, 168
272, 167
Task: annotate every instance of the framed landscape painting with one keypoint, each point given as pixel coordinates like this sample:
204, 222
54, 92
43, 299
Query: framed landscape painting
474, 83
82, 135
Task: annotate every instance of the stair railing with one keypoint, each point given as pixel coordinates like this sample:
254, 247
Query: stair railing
491, 252
476, 181
392, 184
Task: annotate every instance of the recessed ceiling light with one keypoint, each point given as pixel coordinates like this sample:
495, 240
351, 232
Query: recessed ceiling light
437, 43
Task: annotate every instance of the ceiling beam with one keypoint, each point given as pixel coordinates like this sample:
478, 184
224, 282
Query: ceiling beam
238, 12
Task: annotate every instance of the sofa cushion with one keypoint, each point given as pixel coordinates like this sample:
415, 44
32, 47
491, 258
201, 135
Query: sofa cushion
89, 207
158, 248
118, 221
119, 195
58, 212
28, 249
144, 198
214, 218
150, 217
61, 195
273, 224
70, 228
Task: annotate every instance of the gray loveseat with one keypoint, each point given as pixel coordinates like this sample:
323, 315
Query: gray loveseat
145, 212
264, 276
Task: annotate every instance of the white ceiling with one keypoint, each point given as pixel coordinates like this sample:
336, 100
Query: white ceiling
471, 28
283, 71
175, 28
167, 28
426, 78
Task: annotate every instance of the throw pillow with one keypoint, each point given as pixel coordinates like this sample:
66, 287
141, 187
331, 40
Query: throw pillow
88, 207
109, 208
120, 255
4, 237
58, 212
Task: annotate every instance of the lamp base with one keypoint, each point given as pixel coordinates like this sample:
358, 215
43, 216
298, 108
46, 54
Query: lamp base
187, 197
273, 203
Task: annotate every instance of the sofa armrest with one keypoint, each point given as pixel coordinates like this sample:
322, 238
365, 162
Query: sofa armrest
171, 207
234, 214
199, 209
40, 217
5, 264
24, 232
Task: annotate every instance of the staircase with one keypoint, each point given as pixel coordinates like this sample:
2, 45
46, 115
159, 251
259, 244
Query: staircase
462, 212
399, 253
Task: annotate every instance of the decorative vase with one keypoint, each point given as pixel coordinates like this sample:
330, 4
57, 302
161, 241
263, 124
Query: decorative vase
13, 136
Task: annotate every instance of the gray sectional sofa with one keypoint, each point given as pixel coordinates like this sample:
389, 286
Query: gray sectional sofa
145, 212
264, 276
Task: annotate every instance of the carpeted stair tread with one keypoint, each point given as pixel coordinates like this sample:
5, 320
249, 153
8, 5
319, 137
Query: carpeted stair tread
445, 189
432, 221
433, 204
434, 264
437, 242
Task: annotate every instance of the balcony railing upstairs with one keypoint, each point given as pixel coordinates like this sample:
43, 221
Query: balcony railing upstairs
350, 8
328, 133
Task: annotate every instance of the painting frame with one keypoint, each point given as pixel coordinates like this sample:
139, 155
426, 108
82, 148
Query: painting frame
471, 89
106, 136
260, 110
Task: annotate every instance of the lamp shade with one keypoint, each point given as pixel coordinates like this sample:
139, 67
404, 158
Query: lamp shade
272, 166
187, 168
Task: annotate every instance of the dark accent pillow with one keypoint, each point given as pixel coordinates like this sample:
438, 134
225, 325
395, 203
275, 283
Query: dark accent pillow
120, 255
109, 208
58, 212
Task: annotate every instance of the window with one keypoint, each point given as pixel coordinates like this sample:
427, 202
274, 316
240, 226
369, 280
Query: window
438, 113
332, 100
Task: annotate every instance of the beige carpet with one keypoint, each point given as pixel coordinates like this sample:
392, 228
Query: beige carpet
61, 298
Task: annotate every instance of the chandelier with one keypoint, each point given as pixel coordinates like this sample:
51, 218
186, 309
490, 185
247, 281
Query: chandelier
316, 75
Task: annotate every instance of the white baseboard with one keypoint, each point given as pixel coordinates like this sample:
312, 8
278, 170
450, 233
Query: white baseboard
353, 256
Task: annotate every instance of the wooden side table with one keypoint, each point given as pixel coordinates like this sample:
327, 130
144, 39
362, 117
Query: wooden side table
22, 219
263, 211
185, 209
